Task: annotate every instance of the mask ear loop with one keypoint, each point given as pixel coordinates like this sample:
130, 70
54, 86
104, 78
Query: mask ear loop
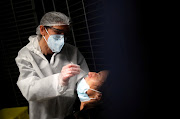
45, 39
95, 91
44, 36
47, 31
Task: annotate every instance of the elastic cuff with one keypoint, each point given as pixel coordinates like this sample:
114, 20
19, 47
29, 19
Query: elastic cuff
62, 86
61, 82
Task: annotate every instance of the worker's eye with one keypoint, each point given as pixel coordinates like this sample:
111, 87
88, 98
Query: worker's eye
58, 32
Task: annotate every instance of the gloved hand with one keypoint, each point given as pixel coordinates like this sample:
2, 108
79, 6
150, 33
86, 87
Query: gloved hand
68, 71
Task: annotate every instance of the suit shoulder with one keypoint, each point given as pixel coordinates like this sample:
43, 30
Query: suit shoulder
23, 52
69, 46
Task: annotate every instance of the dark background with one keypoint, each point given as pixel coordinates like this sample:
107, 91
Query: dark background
111, 34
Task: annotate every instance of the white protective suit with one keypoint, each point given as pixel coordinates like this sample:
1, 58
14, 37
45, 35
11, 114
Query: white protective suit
38, 80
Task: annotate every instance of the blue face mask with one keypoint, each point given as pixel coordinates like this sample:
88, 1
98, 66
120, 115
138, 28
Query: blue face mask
82, 87
55, 42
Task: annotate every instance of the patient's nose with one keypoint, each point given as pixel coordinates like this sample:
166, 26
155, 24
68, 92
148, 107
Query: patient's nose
90, 74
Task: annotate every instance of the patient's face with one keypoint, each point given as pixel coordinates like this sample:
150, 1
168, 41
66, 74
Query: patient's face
95, 80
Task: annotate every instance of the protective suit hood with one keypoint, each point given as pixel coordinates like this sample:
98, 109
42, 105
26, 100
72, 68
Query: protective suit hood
33, 45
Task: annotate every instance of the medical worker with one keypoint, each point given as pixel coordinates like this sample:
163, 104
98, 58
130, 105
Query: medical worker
50, 69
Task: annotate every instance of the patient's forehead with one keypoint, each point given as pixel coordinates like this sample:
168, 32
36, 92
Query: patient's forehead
102, 75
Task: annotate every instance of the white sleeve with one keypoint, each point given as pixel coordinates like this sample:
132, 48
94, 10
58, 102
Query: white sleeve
34, 88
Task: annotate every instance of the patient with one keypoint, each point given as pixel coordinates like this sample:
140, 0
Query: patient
88, 87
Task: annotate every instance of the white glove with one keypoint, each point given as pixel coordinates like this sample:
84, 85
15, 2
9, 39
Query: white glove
68, 71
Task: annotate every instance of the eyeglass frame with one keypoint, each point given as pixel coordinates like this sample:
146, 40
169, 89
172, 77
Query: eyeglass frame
59, 30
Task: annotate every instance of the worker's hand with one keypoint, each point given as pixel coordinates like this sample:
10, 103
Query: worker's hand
69, 70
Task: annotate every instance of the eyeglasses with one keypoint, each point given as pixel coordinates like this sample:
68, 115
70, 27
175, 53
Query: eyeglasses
58, 31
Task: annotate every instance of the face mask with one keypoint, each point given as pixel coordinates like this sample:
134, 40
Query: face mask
55, 42
82, 87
